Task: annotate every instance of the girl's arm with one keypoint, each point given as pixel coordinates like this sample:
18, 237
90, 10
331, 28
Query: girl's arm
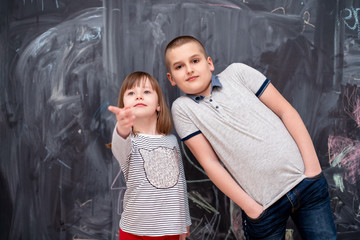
121, 144
294, 124
121, 148
203, 152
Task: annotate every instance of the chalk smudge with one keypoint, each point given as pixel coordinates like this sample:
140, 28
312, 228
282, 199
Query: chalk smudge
345, 153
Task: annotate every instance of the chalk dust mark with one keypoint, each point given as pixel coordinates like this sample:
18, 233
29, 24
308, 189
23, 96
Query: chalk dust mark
279, 8
225, 5
335, 161
357, 214
353, 13
121, 193
86, 202
351, 101
339, 182
345, 153
306, 17
64, 164
209, 229
201, 202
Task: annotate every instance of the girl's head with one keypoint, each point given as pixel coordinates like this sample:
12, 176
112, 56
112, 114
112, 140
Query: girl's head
163, 124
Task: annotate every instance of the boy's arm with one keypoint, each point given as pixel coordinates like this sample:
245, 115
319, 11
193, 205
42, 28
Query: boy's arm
294, 124
203, 152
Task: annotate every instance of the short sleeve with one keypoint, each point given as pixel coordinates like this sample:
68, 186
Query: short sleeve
254, 80
184, 127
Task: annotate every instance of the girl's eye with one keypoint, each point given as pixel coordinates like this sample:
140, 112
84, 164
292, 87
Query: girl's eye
130, 93
147, 92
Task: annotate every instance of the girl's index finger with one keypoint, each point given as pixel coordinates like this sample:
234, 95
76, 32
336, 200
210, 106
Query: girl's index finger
114, 109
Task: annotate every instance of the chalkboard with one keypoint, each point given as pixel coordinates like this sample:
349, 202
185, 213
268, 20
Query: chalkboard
62, 63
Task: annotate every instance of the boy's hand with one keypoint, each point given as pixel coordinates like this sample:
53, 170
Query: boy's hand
125, 120
255, 211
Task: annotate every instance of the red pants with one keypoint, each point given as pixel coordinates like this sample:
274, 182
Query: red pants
129, 236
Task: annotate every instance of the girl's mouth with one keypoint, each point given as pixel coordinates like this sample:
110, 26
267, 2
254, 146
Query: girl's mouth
140, 105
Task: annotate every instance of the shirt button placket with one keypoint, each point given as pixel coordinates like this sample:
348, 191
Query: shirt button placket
213, 103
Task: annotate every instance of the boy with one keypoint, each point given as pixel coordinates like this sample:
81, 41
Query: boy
271, 169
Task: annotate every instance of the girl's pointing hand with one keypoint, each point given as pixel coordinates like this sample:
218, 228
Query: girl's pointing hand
125, 120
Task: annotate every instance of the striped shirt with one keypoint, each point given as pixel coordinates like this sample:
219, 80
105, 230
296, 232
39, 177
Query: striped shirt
155, 200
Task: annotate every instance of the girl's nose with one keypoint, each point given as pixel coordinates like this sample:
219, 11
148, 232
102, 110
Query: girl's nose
139, 96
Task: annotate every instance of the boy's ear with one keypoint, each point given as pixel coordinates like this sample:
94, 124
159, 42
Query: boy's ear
173, 83
211, 65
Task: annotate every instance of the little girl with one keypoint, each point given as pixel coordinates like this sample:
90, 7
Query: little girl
155, 201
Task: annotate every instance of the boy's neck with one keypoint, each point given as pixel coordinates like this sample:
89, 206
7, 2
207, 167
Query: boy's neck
206, 93
215, 82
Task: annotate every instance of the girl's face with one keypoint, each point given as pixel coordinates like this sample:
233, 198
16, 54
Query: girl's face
142, 99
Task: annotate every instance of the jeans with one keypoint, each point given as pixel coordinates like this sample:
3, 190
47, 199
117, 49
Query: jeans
308, 204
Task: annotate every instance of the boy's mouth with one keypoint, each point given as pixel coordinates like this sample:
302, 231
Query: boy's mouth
191, 78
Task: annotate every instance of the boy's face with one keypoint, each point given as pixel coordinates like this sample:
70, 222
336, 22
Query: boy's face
189, 69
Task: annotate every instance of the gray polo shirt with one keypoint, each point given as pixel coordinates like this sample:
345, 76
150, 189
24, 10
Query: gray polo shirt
251, 141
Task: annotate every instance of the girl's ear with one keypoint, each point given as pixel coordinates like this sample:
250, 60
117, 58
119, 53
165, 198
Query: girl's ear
158, 108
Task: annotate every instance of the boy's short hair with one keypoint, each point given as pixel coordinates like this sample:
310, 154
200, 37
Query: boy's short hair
179, 41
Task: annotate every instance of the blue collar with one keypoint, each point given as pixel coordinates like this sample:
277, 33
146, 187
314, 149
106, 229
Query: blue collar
215, 82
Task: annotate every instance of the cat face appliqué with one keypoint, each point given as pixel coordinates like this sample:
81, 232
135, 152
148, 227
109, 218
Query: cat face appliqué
161, 166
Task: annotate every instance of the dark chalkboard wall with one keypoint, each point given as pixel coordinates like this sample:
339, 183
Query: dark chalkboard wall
62, 63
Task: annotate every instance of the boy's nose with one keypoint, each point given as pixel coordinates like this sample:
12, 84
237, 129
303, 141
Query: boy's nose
189, 69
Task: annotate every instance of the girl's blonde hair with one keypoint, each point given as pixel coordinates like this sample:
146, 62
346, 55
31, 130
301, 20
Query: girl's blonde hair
163, 124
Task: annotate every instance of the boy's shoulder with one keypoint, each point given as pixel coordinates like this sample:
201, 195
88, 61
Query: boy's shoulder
181, 101
236, 66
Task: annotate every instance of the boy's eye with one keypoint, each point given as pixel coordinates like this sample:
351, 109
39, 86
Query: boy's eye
178, 67
196, 60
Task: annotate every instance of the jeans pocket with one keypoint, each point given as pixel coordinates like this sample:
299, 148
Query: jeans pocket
314, 187
259, 218
314, 178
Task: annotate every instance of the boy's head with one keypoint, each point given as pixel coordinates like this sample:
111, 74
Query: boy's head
188, 65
